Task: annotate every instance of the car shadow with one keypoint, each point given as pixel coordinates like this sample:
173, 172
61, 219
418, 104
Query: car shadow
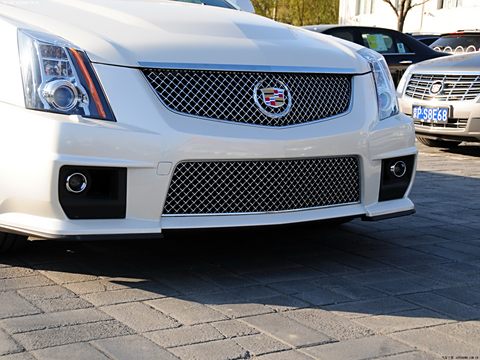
426, 265
472, 149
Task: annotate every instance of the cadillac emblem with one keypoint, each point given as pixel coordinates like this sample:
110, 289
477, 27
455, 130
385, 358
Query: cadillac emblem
436, 87
273, 98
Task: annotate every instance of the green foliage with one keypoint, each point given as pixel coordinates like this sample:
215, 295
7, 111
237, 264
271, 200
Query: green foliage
299, 12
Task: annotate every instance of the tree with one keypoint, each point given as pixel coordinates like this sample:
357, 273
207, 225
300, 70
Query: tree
299, 12
402, 10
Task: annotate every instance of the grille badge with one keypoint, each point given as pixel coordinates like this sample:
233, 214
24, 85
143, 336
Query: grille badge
436, 87
272, 98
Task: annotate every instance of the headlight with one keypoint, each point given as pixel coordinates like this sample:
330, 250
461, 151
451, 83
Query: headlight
386, 96
58, 77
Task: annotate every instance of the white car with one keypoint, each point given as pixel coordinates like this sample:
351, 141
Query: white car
443, 97
123, 118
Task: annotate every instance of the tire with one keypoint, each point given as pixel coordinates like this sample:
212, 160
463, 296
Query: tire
10, 243
438, 143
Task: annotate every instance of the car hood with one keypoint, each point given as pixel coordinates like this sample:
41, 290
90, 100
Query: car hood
453, 63
132, 32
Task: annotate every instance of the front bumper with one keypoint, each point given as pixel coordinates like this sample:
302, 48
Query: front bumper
149, 140
464, 122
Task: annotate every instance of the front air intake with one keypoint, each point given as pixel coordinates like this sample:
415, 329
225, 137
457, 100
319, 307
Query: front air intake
236, 187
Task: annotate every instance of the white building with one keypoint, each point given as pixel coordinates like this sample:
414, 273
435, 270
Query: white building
434, 16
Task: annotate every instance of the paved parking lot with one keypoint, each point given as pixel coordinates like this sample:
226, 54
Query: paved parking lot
406, 288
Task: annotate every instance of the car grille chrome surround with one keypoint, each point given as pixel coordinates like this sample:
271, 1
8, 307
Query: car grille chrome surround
455, 87
230, 95
262, 186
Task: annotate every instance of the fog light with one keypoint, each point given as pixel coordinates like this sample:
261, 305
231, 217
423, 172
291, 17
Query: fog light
61, 94
396, 176
76, 183
93, 192
399, 169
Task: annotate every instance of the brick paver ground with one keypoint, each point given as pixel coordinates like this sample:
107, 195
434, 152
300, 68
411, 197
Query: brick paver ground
406, 288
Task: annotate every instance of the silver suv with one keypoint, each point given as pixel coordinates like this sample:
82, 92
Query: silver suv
443, 98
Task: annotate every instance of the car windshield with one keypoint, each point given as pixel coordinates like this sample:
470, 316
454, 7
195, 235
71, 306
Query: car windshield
218, 3
458, 43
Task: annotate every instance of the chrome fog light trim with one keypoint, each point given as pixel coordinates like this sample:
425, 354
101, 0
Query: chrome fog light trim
399, 169
76, 183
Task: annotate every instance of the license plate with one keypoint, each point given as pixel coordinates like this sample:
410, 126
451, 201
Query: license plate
430, 114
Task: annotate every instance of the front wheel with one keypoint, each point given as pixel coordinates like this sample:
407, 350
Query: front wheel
438, 143
10, 243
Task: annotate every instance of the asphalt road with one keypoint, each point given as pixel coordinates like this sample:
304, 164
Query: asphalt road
406, 288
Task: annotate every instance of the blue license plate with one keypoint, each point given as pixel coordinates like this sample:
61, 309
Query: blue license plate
430, 114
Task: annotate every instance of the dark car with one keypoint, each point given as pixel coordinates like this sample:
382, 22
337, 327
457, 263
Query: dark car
458, 42
427, 39
400, 50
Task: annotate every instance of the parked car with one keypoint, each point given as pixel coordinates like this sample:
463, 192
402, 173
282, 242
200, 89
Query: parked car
458, 42
427, 39
124, 120
443, 97
400, 50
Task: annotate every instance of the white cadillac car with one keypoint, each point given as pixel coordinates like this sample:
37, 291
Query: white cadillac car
124, 118
443, 97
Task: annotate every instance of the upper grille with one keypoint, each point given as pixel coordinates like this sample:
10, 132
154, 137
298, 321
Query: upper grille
227, 187
230, 95
455, 87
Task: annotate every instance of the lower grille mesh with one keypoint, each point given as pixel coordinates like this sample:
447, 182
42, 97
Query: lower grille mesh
225, 187
454, 123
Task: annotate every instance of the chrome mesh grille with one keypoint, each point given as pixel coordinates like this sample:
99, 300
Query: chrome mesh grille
455, 87
230, 95
227, 187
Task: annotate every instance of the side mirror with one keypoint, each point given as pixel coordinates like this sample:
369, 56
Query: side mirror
244, 5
